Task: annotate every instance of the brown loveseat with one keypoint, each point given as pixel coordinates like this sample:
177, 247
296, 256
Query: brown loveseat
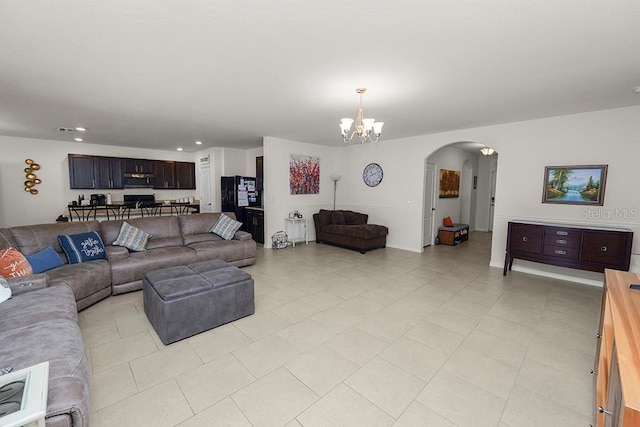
349, 229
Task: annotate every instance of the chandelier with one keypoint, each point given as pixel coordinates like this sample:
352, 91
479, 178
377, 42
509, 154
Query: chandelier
368, 130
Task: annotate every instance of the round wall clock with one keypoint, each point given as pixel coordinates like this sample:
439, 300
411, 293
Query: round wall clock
372, 174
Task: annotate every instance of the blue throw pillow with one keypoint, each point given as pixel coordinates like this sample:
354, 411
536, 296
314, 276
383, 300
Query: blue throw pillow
44, 260
82, 247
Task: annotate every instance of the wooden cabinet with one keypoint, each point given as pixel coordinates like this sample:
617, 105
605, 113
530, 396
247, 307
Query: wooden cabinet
567, 245
178, 175
138, 166
617, 364
259, 173
255, 224
108, 172
81, 172
186, 175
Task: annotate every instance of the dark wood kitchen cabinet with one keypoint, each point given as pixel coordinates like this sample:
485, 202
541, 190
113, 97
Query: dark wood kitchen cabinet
165, 174
138, 166
255, 224
566, 245
186, 175
259, 173
108, 172
81, 171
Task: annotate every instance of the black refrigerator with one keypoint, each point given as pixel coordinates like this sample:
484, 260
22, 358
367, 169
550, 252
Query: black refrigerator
239, 192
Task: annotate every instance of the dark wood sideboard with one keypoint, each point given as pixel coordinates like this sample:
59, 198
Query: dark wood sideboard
583, 247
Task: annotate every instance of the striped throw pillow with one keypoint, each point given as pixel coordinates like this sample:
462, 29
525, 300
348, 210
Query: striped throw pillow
132, 238
225, 227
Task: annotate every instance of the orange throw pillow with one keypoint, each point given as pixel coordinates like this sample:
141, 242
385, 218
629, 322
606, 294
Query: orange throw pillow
13, 264
447, 222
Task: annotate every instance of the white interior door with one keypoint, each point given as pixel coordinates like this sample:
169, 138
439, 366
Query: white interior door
429, 203
205, 190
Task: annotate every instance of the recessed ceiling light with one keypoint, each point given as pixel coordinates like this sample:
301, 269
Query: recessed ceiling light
78, 139
198, 142
179, 148
81, 129
636, 89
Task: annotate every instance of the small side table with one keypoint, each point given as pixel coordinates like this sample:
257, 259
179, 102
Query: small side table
291, 224
23, 395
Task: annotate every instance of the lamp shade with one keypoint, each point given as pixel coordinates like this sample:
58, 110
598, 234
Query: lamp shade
377, 127
336, 177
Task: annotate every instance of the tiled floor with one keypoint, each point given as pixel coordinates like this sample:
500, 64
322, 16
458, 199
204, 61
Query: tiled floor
343, 339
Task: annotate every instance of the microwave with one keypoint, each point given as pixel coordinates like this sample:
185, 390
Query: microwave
139, 180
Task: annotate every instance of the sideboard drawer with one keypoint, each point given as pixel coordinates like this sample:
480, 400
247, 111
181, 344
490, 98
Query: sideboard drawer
562, 232
561, 251
569, 242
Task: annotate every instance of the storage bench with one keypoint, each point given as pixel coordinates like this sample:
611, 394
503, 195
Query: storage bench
454, 235
182, 301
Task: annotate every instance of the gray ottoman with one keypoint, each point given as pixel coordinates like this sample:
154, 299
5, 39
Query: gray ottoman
183, 301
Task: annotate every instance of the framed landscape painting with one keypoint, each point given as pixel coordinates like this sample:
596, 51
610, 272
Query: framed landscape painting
575, 185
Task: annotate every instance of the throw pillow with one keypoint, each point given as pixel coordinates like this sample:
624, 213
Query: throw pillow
225, 227
82, 247
447, 222
13, 264
5, 290
44, 260
132, 238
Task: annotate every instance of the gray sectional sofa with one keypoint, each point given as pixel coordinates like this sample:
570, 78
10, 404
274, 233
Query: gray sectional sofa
40, 322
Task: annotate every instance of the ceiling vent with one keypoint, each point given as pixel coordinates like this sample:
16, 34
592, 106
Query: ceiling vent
66, 130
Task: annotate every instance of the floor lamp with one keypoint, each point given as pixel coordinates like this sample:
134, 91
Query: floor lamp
335, 179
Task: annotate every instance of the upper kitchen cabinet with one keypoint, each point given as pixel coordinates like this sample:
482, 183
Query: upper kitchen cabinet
165, 174
138, 166
177, 175
186, 175
260, 173
108, 172
81, 171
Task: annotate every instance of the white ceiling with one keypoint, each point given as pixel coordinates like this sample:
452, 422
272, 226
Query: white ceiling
161, 74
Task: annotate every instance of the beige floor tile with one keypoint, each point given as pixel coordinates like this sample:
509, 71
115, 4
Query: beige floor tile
495, 347
507, 329
346, 290
436, 337
213, 381
223, 414
526, 408
217, 342
419, 415
466, 308
266, 355
384, 326
356, 345
260, 325
101, 313
133, 325
158, 367
306, 335
565, 359
264, 303
574, 391
115, 353
461, 402
493, 376
361, 306
293, 423
275, 399
322, 300
111, 386
94, 419
389, 387
410, 310
295, 311
451, 320
344, 407
337, 319
288, 294
415, 358
160, 406
515, 314
321, 369
99, 333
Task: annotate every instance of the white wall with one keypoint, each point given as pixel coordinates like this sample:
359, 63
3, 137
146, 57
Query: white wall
278, 201
18, 207
483, 191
